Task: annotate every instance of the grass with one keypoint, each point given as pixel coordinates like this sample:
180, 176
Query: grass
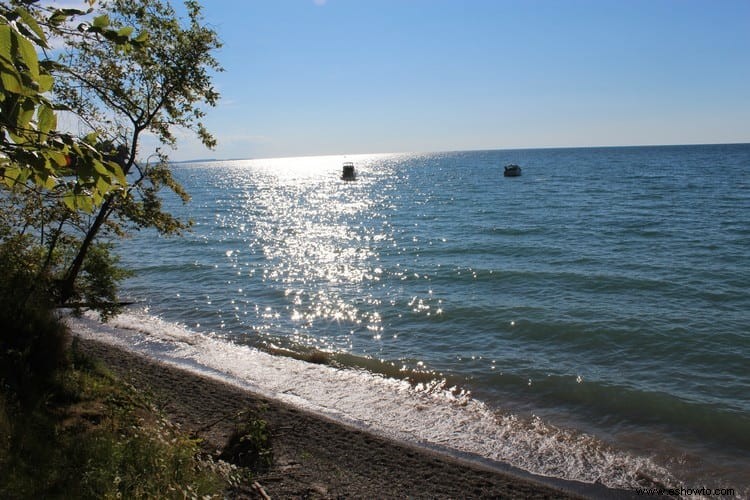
92, 436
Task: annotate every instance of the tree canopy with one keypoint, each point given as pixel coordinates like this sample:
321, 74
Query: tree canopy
122, 69
33, 153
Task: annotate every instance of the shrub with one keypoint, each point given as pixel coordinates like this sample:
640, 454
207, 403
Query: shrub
250, 443
105, 440
33, 342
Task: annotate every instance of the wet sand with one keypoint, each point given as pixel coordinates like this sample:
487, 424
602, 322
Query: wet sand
315, 457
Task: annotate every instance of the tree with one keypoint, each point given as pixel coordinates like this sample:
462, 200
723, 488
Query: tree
128, 68
157, 88
48, 178
33, 154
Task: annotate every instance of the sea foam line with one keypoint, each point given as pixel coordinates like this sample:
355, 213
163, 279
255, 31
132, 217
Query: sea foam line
423, 415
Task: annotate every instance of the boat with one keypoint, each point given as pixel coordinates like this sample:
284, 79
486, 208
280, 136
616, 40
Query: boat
512, 170
348, 172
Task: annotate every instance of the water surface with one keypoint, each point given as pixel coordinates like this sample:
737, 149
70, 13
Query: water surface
602, 297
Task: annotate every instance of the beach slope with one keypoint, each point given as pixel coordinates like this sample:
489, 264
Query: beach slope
314, 457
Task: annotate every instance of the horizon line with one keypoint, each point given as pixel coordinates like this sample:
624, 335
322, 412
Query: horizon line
512, 148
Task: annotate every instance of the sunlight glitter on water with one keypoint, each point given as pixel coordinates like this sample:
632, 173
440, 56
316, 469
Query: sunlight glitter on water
312, 231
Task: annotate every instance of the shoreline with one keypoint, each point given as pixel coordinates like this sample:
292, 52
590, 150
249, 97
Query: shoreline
318, 457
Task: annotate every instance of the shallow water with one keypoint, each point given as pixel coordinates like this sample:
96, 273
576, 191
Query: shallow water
603, 294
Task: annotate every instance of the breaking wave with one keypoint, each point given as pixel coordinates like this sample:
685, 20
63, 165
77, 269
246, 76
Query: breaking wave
430, 414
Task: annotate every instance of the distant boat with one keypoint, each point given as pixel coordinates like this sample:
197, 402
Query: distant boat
348, 172
512, 170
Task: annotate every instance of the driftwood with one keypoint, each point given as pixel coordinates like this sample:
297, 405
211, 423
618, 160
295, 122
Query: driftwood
259, 489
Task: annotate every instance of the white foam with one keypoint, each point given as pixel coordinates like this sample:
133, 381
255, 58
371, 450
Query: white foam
425, 415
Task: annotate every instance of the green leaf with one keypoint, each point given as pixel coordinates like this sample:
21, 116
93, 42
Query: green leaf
45, 82
27, 52
10, 174
101, 21
25, 113
75, 12
50, 182
116, 171
125, 32
91, 138
85, 202
5, 46
31, 23
82, 201
11, 81
20, 120
14, 175
69, 198
58, 158
46, 119
142, 37
100, 168
57, 17
102, 187
61, 15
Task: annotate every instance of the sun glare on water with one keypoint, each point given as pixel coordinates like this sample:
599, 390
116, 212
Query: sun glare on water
319, 236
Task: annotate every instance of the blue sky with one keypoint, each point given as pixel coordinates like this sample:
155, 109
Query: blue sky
306, 77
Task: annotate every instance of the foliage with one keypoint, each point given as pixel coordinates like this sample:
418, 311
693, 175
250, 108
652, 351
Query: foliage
127, 68
158, 88
98, 283
250, 443
99, 438
32, 341
51, 178
155, 88
33, 154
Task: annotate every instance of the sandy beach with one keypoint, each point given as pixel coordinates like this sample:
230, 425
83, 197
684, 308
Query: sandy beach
315, 457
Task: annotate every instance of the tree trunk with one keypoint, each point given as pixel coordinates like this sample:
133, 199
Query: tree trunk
66, 287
